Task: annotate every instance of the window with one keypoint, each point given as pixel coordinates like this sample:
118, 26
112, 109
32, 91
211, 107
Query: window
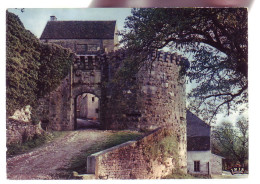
82, 59
92, 47
93, 99
197, 166
81, 48
82, 62
90, 63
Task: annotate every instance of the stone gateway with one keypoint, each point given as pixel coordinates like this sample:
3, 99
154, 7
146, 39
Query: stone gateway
156, 101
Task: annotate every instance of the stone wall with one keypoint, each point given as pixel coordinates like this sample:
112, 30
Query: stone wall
58, 109
152, 157
209, 163
20, 131
203, 157
19, 127
106, 44
82, 106
23, 114
157, 99
216, 164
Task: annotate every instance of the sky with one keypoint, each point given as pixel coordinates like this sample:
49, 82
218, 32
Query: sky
35, 19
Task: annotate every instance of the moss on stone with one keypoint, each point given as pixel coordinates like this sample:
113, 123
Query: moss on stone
78, 163
164, 148
28, 145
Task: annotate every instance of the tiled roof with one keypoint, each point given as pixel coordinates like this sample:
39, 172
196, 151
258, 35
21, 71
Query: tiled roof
79, 30
199, 143
196, 126
198, 133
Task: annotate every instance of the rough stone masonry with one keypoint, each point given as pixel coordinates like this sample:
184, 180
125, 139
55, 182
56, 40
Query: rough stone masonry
153, 157
158, 100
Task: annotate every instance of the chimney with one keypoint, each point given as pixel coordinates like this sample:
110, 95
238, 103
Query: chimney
53, 18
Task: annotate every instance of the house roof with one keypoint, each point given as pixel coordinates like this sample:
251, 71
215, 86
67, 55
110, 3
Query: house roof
79, 30
200, 143
198, 133
196, 126
218, 156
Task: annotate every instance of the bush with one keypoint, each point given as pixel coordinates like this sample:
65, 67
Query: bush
21, 65
28, 145
33, 69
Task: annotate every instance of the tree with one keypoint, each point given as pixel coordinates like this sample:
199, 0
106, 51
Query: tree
22, 64
217, 40
55, 62
232, 141
33, 69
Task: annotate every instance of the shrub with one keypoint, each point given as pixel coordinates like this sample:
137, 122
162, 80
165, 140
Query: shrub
38, 140
33, 69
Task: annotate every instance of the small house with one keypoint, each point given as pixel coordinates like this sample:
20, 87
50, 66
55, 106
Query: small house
82, 37
200, 159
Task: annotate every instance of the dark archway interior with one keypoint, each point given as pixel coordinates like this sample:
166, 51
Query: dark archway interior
87, 111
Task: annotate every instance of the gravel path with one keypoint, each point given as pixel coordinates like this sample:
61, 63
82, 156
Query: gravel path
50, 160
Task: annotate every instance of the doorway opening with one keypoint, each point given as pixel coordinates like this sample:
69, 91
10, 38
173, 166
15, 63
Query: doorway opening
87, 111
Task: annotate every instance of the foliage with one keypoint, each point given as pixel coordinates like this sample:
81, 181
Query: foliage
217, 40
36, 141
78, 163
165, 147
122, 90
21, 65
232, 141
33, 69
55, 62
181, 175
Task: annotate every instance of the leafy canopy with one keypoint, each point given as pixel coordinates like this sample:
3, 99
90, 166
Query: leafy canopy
232, 141
215, 38
21, 65
33, 69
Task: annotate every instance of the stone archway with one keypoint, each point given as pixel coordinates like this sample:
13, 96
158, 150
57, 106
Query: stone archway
79, 90
59, 106
86, 111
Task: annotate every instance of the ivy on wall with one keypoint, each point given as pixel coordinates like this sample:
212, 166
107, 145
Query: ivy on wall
165, 147
33, 69
55, 62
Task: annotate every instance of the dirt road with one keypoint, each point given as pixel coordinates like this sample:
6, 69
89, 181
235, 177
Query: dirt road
50, 160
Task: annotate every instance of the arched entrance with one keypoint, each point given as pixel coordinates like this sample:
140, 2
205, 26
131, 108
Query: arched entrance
86, 111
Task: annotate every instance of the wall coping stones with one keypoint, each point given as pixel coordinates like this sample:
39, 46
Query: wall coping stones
131, 161
128, 143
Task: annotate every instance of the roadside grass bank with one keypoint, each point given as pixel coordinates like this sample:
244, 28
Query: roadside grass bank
78, 163
29, 145
181, 175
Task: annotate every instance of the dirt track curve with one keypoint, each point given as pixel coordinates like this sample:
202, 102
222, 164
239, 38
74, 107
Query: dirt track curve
50, 160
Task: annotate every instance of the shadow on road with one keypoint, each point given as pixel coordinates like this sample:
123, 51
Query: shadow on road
87, 124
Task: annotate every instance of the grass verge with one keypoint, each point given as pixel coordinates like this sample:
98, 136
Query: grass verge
36, 141
180, 175
78, 163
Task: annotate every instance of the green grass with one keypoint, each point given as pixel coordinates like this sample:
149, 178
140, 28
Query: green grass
36, 141
180, 175
78, 163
